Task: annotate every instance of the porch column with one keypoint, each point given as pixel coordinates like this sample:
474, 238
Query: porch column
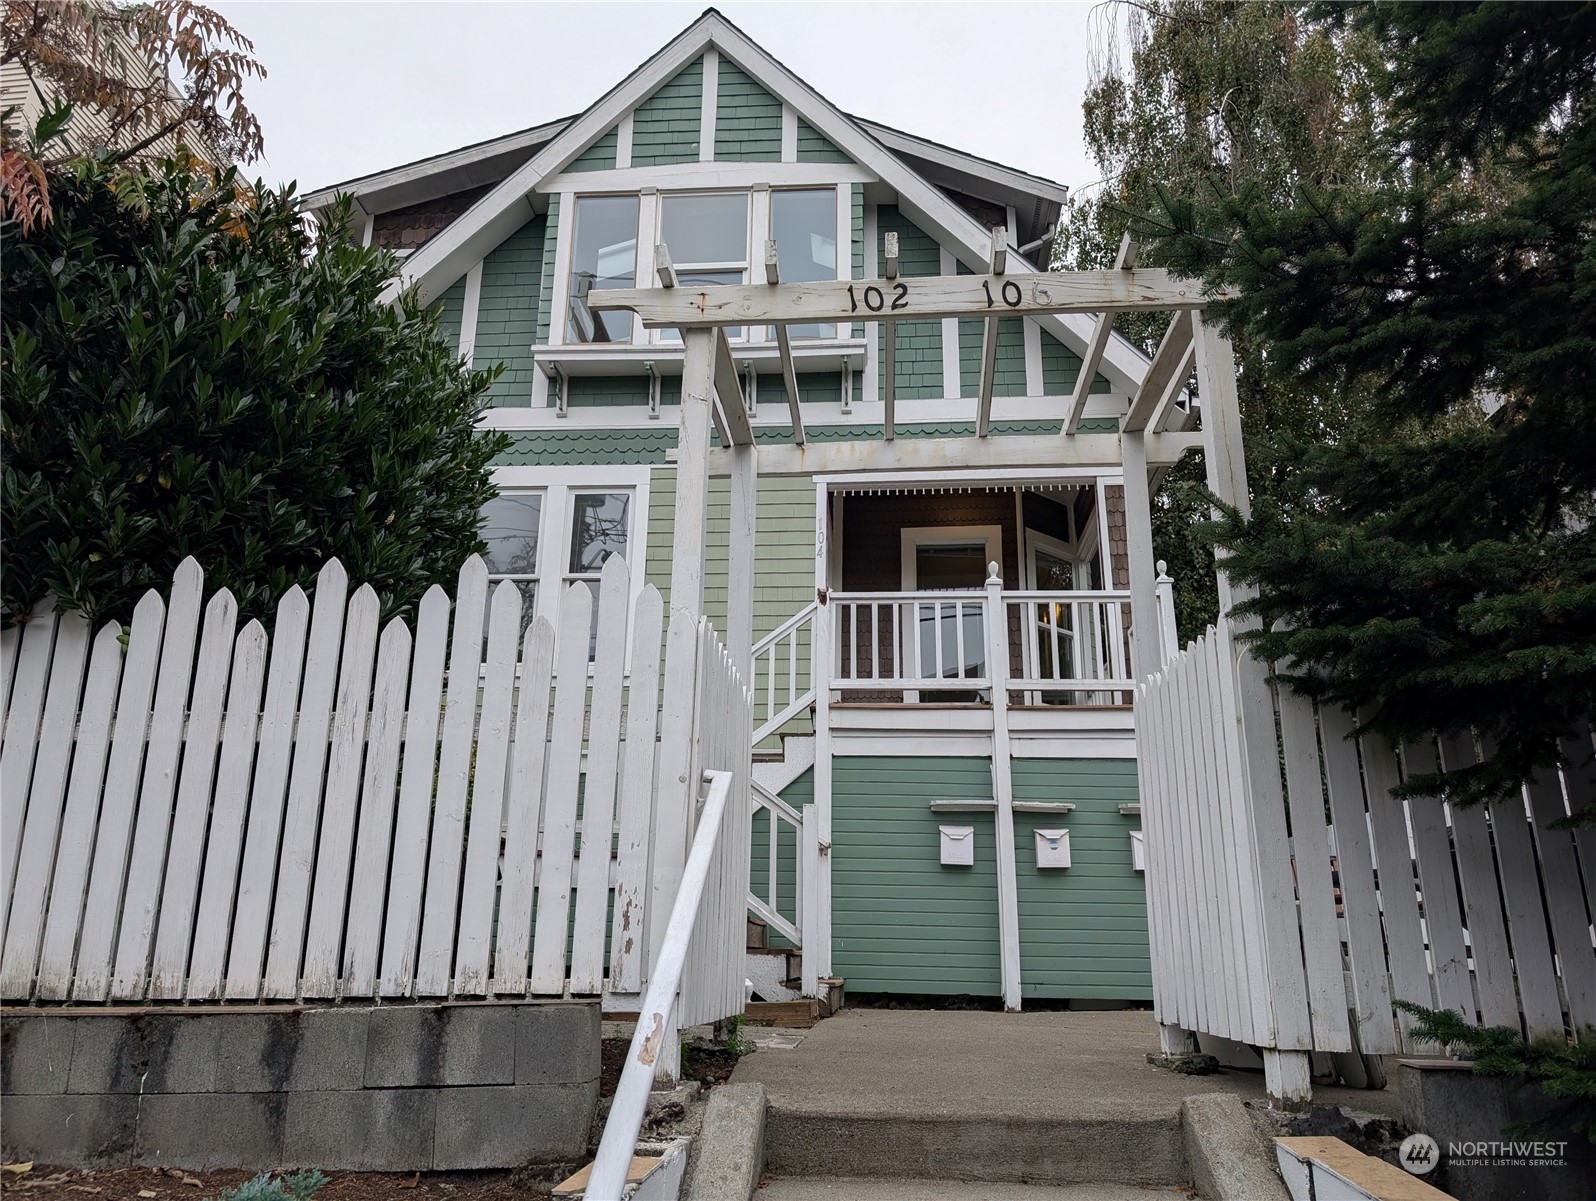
678, 784
1224, 459
741, 564
997, 670
1146, 640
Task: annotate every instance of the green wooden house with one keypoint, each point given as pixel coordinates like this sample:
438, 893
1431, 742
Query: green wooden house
941, 636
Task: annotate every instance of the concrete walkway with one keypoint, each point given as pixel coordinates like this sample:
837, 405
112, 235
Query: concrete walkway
1048, 1098
857, 1188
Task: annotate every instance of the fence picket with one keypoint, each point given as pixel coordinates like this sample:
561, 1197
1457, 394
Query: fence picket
340, 798
1371, 986
102, 907
598, 796
46, 796
298, 854
160, 781
475, 942
76, 841
22, 740
258, 874
1229, 951
10, 647
1437, 881
524, 810
401, 937
454, 773
559, 810
636, 804
175, 924
215, 914
377, 802
1579, 778
1310, 842
1560, 870
1482, 898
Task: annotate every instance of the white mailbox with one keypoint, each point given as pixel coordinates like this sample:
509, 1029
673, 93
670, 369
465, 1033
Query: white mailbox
1052, 848
1138, 851
958, 846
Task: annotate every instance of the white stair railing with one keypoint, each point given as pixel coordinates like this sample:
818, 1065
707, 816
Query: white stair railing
784, 683
654, 1024
779, 813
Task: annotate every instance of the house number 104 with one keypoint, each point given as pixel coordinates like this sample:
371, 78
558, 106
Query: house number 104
875, 300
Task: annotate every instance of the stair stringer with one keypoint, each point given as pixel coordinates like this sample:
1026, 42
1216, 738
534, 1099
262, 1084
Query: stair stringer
798, 755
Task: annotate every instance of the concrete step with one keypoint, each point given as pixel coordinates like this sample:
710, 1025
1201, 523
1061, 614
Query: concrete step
855, 1188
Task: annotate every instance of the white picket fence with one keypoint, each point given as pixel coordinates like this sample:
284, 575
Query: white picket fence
1289, 913
340, 812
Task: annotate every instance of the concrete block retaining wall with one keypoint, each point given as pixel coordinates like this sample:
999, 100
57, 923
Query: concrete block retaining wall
389, 1088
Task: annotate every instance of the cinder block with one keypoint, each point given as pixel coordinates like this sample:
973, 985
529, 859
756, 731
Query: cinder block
424, 1046
382, 1130
35, 1053
111, 1053
331, 1050
254, 1052
91, 1132
557, 1043
507, 1126
210, 1130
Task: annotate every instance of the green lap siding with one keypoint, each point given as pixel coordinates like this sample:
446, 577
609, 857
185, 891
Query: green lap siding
507, 311
901, 922
450, 307
600, 156
666, 128
747, 119
815, 147
1083, 929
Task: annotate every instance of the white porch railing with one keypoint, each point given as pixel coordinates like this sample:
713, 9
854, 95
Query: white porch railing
784, 682
932, 642
779, 814
1292, 898
1074, 647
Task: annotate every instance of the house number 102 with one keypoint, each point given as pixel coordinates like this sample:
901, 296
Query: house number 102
875, 300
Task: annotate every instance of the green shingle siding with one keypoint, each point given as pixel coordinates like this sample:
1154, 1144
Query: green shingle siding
546, 291
666, 126
557, 448
815, 147
901, 922
856, 212
600, 156
1061, 366
507, 312
450, 307
1083, 930
590, 391
1009, 378
919, 343
747, 119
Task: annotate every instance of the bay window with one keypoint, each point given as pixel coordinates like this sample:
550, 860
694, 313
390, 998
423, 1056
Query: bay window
707, 234
803, 224
603, 255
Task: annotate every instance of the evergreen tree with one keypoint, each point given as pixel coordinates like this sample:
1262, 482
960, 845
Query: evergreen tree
1433, 565
189, 370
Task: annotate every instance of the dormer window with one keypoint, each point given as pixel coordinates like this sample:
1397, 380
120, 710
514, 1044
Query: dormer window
603, 255
707, 234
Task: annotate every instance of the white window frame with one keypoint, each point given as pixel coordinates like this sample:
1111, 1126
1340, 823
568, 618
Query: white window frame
558, 484
746, 266
914, 537
843, 232
540, 558
1035, 540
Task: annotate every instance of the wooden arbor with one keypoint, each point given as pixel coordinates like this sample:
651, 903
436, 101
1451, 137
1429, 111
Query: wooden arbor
1151, 436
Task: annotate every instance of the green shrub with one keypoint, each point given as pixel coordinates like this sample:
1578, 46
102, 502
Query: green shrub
298, 1187
190, 369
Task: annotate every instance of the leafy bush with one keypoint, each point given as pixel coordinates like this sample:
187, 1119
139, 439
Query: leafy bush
298, 1187
190, 370
1562, 1069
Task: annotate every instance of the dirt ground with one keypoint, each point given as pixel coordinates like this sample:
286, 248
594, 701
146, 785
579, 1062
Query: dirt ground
705, 1062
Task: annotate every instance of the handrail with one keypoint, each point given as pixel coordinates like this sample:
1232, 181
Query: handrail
771, 801
1068, 595
764, 908
785, 628
619, 1142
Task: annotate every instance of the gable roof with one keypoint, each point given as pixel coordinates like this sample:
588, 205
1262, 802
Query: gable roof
508, 205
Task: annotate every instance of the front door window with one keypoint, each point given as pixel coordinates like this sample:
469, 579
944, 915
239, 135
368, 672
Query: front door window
950, 635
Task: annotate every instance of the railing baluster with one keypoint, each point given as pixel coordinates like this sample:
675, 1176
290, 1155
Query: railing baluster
792, 664
771, 875
875, 641
958, 623
853, 635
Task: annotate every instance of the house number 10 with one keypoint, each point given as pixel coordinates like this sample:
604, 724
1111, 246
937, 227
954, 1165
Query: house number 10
875, 300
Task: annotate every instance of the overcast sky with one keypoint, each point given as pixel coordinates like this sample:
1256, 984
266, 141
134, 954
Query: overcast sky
356, 87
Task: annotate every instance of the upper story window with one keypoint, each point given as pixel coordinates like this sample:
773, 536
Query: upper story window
715, 238
603, 255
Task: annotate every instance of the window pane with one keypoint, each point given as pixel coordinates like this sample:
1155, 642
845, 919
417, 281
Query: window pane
510, 528
705, 229
603, 255
598, 529
804, 227
947, 568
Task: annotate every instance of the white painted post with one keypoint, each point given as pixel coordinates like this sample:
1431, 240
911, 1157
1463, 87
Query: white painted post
823, 663
1287, 1079
676, 794
997, 670
1169, 637
742, 565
